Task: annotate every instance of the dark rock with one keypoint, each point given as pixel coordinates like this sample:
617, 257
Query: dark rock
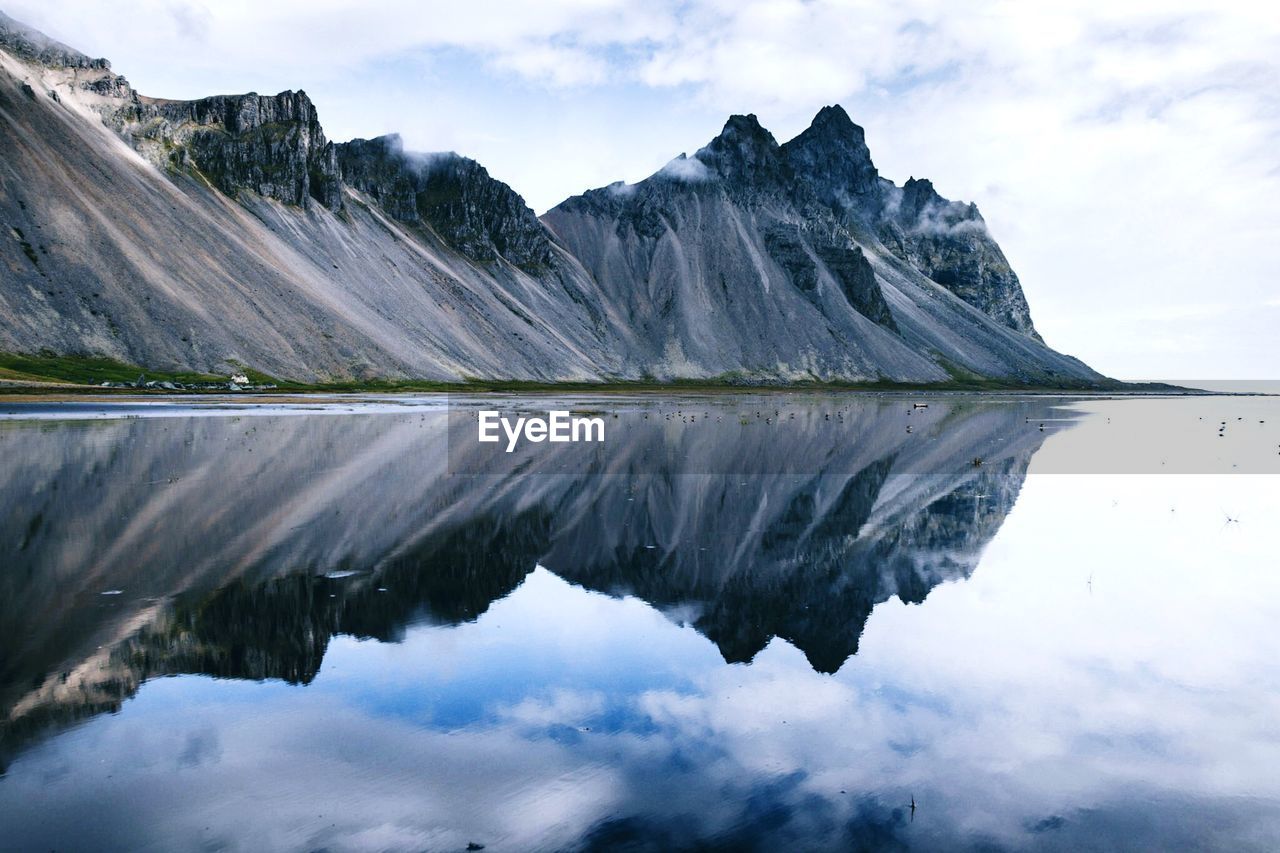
380, 169
788, 249
948, 241
272, 145
788, 245
832, 160
479, 216
745, 155
32, 45
857, 281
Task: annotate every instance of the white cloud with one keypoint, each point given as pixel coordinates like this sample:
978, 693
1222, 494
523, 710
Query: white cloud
557, 65
688, 169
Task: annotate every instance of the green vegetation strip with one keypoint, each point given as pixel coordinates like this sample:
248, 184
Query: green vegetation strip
86, 370
93, 371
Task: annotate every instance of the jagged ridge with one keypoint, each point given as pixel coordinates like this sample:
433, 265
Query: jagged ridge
750, 259
807, 237
482, 217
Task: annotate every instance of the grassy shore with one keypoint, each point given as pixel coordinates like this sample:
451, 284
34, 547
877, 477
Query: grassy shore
64, 374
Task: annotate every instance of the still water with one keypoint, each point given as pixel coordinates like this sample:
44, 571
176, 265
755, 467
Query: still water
774, 622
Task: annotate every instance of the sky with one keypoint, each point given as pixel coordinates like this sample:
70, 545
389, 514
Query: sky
1126, 155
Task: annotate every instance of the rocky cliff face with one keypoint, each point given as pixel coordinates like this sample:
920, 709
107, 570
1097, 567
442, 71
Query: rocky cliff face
749, 261
23, 42
833, 161
272, 145
483, 218
948, 241
799, 261
232, 240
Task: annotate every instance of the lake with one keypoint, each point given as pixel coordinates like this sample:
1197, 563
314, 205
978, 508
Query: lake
740, 622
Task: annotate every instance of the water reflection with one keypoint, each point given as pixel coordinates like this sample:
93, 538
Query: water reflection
501, 649
238, 547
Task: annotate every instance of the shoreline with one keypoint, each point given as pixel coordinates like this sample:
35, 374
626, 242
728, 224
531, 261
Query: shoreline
108, 396
47, 374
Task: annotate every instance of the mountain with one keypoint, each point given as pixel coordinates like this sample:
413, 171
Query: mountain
800, 259
230, 231
191, 235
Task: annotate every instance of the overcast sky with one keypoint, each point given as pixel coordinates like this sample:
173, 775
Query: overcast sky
1126, 155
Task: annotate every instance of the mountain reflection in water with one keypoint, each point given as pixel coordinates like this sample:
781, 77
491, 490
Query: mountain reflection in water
246, 548
245, 545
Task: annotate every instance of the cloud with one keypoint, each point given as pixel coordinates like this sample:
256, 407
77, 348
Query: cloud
554, 64
192, 22
686, 169
947, 220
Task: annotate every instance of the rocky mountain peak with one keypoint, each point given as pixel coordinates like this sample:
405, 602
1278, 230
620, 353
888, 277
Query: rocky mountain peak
831, 155
949, 242
917, 195
918, 208
243, 113
744, 153
832, 121
746, 127
34, 46
478, 215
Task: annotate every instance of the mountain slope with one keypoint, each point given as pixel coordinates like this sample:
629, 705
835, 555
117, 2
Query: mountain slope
225, 231
191, 234
770, 258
